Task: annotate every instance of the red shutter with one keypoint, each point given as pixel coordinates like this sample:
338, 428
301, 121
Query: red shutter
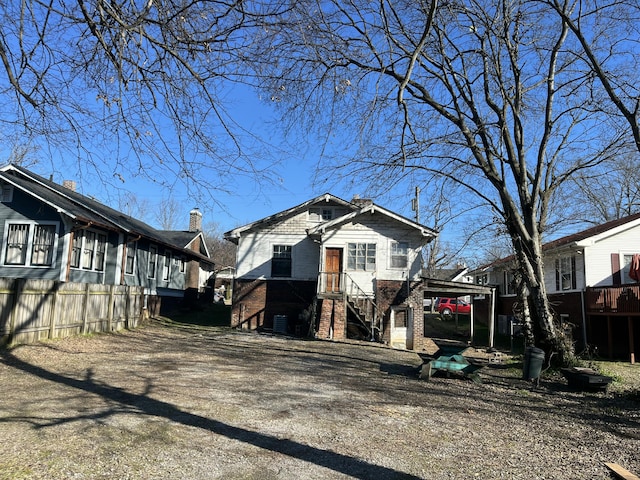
615, 269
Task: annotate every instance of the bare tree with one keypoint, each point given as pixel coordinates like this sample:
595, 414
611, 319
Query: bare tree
490, 95
23, 154
130, 88
222, 252
606, 195
608, 36
130, 204
168, 214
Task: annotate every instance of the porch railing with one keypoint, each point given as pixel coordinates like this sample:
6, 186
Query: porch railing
619, 299
342, 283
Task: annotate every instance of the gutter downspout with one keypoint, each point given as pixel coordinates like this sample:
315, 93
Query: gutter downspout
584, 320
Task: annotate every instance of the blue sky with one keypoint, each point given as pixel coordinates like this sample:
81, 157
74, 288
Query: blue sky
291, 177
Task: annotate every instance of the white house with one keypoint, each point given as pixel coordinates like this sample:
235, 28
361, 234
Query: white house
588, 283
331, 266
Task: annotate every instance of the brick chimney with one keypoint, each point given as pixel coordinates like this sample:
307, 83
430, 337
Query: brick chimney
195, 220
361, 202
69, 184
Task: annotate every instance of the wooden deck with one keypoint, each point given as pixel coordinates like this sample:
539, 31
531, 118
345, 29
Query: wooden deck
613, 317
622, 300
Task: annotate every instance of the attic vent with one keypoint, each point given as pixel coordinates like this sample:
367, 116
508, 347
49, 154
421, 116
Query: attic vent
69, 184
7, 193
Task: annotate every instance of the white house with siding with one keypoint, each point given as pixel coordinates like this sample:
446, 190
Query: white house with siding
314, 263
588, 283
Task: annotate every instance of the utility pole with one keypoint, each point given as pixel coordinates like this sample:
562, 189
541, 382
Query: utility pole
415, 204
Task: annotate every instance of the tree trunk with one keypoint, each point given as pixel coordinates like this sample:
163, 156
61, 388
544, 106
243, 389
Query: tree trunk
545, 331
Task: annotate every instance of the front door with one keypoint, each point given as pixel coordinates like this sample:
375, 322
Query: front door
333, 269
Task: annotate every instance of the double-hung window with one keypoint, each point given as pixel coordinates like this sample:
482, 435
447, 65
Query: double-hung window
399, 254
565, 273
30, 244
89, 250
361, 256
180, 264
76, 248
44, 239
509, 283
166, 267
153, 261
281, 261
17, 244
130, 259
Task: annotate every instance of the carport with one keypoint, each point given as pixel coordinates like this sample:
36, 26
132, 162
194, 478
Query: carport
441, 288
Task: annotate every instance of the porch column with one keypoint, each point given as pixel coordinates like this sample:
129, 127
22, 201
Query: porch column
492, 317
326, 317
609, 337
632, 356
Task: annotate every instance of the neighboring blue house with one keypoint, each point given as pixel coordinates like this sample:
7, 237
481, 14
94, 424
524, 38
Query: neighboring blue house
49, 231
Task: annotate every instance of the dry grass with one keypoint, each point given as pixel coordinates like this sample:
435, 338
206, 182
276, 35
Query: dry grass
179, 402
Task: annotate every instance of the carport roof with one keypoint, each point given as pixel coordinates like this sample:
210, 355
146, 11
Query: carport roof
444, 288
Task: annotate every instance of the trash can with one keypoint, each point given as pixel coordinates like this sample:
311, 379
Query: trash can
532, 364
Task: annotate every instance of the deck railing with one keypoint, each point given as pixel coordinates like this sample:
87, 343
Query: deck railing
342, 283
620, 299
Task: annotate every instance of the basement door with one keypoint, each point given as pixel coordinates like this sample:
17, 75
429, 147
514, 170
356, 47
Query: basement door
401, 328
332, 269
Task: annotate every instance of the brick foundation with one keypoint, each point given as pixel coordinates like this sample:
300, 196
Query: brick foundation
249, 304
332, 316
256, 302
391, 293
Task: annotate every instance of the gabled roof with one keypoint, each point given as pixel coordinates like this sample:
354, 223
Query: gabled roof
82, 209
233, 235
355, 210
595, 233
582, 238
370, 208
185, 239
448, 274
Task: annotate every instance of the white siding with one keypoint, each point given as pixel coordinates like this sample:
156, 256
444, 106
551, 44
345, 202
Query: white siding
550, 270
256, 249
598, 256
380, 230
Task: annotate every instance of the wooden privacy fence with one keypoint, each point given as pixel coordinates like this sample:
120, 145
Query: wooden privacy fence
33, 310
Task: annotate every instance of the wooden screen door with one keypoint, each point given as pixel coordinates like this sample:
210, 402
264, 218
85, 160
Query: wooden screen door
333, 268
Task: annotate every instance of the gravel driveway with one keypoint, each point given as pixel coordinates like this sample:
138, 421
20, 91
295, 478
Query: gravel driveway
163, 402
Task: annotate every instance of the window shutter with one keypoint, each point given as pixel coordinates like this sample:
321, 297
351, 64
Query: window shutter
557, 274
615, 269
573, 272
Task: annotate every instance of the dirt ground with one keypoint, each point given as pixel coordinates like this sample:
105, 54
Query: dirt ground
168, 402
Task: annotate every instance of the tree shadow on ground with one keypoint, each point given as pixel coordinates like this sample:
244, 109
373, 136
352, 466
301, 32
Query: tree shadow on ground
145, 405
